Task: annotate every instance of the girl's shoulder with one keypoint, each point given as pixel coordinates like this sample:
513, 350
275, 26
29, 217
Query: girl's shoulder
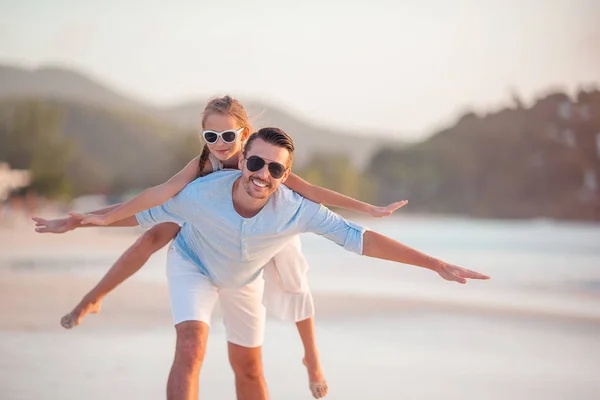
215, 163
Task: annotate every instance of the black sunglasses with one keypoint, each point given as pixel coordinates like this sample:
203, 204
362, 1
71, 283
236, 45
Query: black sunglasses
255, 163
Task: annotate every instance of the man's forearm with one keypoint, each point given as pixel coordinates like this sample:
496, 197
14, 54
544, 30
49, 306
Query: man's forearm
77, 223
105, 210
129, 221
380, 246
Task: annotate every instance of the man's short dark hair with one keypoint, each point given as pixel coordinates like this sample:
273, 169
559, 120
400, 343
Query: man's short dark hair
274, 136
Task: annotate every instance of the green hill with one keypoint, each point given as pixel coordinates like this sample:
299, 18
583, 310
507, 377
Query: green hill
56, 83
109, 151
542, 161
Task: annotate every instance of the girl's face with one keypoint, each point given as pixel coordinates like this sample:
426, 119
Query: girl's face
219, 123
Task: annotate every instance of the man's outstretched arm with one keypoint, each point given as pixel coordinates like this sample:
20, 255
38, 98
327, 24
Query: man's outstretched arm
357, 239
62, 225
171, 211
129, 221
379, 246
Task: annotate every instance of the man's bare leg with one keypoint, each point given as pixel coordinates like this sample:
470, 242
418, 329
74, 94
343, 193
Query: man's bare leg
247, 366
306, 329
129, 263
189, 355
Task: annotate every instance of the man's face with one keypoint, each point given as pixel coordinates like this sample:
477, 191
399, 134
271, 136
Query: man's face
260, 184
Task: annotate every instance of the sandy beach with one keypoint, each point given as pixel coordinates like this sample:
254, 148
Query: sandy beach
373, 346
34, 301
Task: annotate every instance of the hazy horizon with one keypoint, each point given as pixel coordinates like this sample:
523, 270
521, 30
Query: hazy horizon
408, 68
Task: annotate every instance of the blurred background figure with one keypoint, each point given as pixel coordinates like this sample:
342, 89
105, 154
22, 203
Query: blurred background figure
484, 115
11, 181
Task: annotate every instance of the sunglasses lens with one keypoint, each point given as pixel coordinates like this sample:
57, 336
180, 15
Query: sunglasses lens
255, 163
276, 170
210, 137
229, 136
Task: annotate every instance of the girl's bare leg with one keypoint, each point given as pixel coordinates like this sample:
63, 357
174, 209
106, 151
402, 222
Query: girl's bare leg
129, 263
306, 329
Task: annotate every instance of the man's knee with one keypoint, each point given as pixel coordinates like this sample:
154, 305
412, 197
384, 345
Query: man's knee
191, 344
246, 362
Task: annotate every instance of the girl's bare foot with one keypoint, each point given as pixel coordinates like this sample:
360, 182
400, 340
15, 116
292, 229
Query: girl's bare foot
74, 317
316, 379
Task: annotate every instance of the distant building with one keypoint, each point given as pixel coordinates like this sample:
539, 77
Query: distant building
12, 179
585, 113
565, 109
568, 138
589, 180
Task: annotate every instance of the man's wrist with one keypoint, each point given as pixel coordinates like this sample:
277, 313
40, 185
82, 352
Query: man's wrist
107, 219
367, 208
73, 223
434, 264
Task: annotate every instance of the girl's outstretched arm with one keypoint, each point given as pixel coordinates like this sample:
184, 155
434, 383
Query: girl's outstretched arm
335, 199
149, 198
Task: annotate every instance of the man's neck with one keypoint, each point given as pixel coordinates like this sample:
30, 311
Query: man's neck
231, 163
245, 205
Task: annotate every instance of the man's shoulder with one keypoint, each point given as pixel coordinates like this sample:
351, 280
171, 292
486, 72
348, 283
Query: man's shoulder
284, 193
288, 197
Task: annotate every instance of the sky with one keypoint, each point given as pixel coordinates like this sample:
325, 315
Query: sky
403, 67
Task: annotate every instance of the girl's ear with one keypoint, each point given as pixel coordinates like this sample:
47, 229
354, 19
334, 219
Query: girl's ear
245, 134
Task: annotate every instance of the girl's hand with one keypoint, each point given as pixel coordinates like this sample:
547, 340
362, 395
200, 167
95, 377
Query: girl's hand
386, 211
92, 219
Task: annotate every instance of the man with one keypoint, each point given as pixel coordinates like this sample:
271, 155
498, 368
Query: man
233, 222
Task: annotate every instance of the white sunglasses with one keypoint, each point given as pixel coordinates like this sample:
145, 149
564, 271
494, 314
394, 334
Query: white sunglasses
228, 136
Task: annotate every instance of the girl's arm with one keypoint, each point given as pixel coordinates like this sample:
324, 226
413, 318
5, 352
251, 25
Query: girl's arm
331, 198
149, 198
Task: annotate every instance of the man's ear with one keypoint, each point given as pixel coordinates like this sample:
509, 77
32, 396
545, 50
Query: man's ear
285, 176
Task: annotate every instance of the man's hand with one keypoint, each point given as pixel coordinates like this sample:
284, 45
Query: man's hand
92, 219
387, 210
457, 274
60, 225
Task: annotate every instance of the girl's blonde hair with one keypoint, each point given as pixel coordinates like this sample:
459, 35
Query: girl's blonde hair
225, 105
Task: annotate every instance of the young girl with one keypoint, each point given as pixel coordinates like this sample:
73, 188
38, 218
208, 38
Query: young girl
225, 127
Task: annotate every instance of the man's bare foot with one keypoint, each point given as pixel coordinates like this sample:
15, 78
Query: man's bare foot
75, 317
316, 379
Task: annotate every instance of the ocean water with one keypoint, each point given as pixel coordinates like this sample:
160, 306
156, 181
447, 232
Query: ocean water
537, 265
534, 265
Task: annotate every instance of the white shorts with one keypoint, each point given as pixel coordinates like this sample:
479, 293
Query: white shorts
287, 295
193, 297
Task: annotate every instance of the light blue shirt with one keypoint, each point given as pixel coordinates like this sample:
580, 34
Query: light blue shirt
232, 250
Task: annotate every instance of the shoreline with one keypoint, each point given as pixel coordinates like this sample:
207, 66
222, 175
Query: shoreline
35, 301
35, 298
